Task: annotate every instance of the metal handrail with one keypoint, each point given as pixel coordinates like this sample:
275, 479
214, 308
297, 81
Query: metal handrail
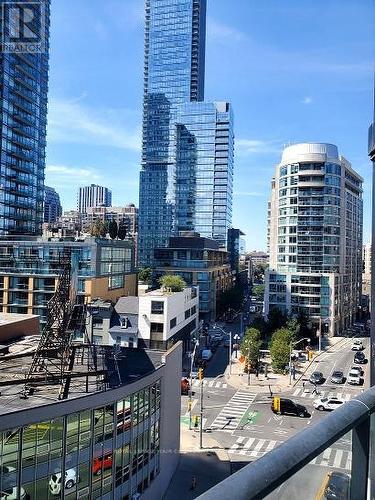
258, 479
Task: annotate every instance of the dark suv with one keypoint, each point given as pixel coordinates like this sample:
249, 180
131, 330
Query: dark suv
289, 407
359, 358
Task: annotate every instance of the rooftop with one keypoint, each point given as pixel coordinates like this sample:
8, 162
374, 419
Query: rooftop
10, 318
116, 366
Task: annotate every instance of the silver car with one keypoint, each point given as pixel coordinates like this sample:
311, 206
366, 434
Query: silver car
337, 377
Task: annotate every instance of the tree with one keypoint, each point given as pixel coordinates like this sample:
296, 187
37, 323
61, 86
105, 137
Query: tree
172, 282
276, 319
251, 342
258, 291
280, 347
121, 231
145, 275
98, 229
113, 229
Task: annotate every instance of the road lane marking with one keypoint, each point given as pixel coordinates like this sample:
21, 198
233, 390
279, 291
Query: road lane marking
338, 457
257, 448
247, 446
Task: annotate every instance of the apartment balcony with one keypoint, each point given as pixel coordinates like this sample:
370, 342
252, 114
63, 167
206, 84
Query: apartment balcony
265, 475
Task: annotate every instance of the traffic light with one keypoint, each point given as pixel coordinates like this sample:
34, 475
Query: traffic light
200, 374
311, 355
276, 404
189, 405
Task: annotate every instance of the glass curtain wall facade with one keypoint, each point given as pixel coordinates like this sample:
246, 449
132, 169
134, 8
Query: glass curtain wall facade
110, 451
204, 169
52, 205
316, 236
173, 74
23, 120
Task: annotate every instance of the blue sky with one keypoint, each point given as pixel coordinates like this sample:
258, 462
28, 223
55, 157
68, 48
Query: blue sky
294, 70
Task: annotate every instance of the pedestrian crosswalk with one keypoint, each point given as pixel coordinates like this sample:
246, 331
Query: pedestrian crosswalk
256, 448
210, 383
336, 458
308, 393
230, 416
252, 447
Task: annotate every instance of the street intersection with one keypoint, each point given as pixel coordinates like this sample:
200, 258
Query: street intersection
241, 420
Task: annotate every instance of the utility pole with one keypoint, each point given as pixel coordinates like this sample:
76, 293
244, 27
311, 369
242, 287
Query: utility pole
230, 353
320, 334
191, 383
248, 363
201, 412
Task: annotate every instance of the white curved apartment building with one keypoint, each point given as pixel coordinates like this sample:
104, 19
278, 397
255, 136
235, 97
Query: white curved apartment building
315, 236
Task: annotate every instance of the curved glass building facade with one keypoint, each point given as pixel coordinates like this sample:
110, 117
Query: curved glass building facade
315, 235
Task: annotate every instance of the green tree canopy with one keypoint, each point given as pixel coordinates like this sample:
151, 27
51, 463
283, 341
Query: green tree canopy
251, 343
258, 291
121, 231
145, 275
98, 229
172, 282
113, 229
280, 347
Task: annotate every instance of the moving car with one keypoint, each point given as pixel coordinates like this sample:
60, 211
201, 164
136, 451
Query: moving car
359, 357
69, 481
216, 337
327, 404
289, 407
316, 378
354, 378
206, 354
337, 377
12, 493
337, 487
357, 345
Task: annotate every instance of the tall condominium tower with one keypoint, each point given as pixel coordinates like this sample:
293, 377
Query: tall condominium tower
315, 235
24, 31
93, 196
52, 205
181, 163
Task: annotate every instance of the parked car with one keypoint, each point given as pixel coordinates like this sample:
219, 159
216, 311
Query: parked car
357, 345
316, 378
337, 377
289, 407
327, 404
360, 358
337, 487
102, 463
357, 369
216, 337
69, 481
185, 386
354, 378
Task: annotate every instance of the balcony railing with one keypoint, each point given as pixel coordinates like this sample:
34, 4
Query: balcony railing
262, 477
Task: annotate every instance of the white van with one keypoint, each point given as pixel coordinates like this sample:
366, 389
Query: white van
206, 354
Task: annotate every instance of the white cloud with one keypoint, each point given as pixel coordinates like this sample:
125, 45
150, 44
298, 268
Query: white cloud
245, 147
222, 33
63, 175
69, 121
306, 100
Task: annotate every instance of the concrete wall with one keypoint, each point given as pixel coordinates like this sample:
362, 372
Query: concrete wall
18, 325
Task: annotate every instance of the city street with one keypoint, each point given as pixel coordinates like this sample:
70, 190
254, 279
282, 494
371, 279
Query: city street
242, 422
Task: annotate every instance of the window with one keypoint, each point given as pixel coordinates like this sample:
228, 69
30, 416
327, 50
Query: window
157, 307
193, 310
173, 323
157, 328
187, 313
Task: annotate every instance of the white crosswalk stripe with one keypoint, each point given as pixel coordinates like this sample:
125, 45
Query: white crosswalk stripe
230, 416
252, 447
308, 393
210, 383
332, 457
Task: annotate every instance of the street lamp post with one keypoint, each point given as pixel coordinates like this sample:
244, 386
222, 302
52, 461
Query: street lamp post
292, 344
248, 363
191, 382
236, 338
320, 332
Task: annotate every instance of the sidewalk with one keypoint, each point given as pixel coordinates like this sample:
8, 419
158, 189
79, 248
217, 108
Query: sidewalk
209, 466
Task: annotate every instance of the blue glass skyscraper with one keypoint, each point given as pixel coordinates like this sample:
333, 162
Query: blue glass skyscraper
180, 160
24, 32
